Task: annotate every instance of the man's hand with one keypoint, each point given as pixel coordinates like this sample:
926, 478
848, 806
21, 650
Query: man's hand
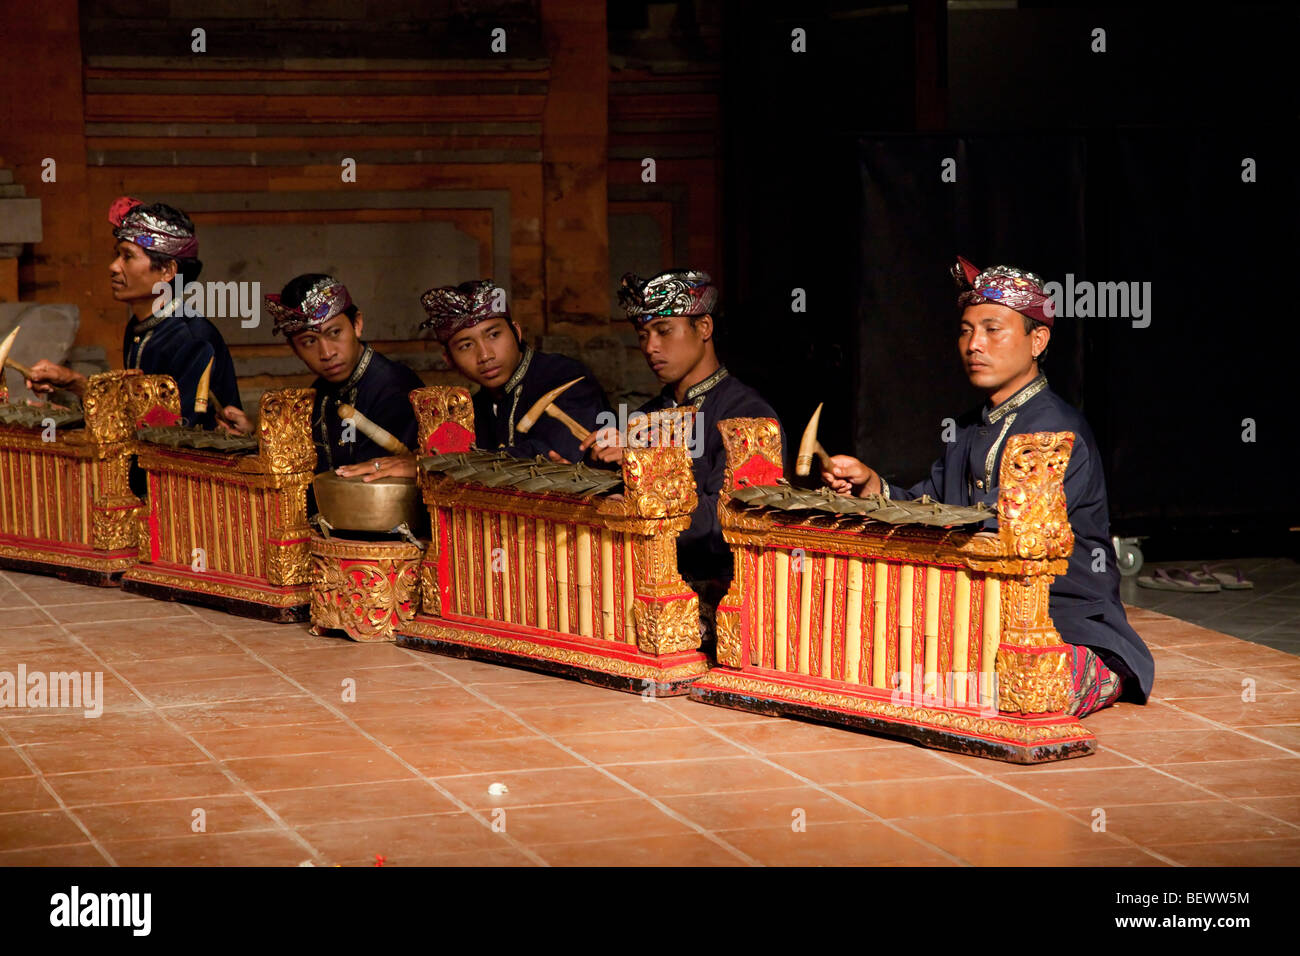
848, 476
233, 421
395, 466
604, 446
46, 377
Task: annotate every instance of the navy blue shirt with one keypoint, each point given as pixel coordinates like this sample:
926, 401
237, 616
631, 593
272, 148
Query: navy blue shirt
497, 411
1084, 603
378, 388
701, 553
173, 343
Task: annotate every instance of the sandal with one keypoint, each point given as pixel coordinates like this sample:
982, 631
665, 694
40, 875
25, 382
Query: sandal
1175, 579
1229, 582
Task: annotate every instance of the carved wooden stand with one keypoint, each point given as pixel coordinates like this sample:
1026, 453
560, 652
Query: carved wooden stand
247, 514
936, 635
66, 508
584, 587
367, 589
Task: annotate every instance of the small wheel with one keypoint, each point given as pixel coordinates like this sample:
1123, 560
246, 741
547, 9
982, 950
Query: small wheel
1128, 556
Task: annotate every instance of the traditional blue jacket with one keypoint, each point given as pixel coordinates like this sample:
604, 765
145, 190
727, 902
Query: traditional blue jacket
173, 343
378, 388
1084, 603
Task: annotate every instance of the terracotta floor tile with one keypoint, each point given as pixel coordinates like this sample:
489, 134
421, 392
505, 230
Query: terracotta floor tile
25, 617
835, 844
856, 766
24, 794
147, 639
1110, 856
1174, 662
66, 658
1154, 715
1286, 735
797, 736
1265, 709
1187, 746
369, 680
166, 819
39, 828
442, 699
22, 641
713, 714
479, 672
329, 653
12, 763
1244, 778
76, 854
219, 690
553, 693
1203, 821
1287, 675
125, 609
1286, 808
1246, 853
535, 787
238, 714
1214, 682
577, 822
608, 715
416, 728
636, 746
763, 809
252, 848
60, 727
679, 777
146, 674
317, 770
689, 849
73, 756
892, 799
501, 856
454, 758
1031, 838
357, 802
1102, 757
322, 738
1241, 655
141, 783
1107, 788
402, 839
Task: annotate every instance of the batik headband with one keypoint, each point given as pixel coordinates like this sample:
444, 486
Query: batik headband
324, 299
675, 292
132, 223
454, 308
1003, 285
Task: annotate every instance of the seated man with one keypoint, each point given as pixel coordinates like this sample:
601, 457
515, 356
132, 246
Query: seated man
324, 329
486, 346
156, 243
1006, 322
673, 316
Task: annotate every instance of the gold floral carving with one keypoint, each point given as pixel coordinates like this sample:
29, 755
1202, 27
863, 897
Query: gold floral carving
745, 437
563, 655
430, 596
1032, 518
284, 439
665, 627
1037, 683
727, 626
435, 404
373, 596
107, 406
658, 482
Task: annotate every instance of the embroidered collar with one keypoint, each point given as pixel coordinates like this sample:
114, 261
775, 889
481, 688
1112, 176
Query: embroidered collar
520, 370
362, 364
157, 319
698, 389
1016, 400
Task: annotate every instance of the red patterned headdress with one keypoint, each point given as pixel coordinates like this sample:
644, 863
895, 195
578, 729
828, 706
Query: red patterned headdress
134, 224
1004, 285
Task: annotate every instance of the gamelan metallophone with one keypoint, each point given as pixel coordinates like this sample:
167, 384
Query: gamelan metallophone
938, 634
226, 520
66, 506
562, 568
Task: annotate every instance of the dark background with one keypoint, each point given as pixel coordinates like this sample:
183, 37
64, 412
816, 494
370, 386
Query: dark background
1115, 166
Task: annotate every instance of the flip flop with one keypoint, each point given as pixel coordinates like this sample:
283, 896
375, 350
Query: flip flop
1175, 579
1229, 582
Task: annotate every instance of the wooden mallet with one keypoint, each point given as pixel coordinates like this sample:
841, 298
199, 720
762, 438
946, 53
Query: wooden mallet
546, 404
6, 361
376, 433
810, 446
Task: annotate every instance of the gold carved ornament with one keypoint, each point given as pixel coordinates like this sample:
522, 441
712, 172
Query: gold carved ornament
666, 627
284, 441
658, 482
369, 598
435, 405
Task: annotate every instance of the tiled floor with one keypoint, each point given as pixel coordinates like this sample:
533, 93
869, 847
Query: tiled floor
1268, 613
225, 741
